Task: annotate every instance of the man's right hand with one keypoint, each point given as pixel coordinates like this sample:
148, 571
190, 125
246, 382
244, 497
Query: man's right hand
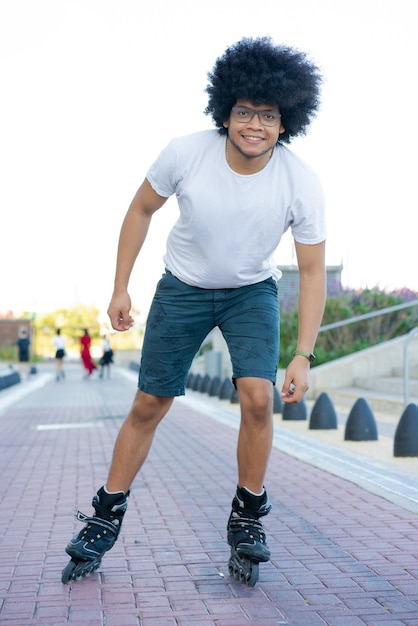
119, 311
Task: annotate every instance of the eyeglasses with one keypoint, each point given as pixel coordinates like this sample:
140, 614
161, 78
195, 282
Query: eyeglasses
244, 115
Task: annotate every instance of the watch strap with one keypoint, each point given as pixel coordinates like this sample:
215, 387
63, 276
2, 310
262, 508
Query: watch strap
308, 355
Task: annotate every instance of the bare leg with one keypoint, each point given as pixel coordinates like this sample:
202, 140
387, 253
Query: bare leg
256, 431
58, 363
24, 369
135, 438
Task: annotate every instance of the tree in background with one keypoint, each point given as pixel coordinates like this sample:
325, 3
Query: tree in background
72, 323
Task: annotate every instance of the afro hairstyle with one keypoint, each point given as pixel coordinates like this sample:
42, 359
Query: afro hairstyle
259, 71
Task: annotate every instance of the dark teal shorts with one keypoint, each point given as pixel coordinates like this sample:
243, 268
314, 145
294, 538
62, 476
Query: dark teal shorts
181, 317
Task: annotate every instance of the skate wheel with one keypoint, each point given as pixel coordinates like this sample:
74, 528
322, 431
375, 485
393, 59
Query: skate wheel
252, 575
245, 571
75, 570
67, 572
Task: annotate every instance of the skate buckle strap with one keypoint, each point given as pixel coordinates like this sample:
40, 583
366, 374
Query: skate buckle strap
238, 505
97, 521
249, 524
111, 512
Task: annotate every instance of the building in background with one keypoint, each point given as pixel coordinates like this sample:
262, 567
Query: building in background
289, 284
9, 334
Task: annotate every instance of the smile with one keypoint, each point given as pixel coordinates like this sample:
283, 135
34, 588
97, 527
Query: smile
251, 138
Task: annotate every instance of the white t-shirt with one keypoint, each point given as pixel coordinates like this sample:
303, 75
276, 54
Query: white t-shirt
59, 342
231, 224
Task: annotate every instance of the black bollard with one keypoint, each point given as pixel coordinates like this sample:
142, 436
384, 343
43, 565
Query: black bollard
214, 386
361, 425
189, 381
196, 382
406, 435
15, 378
226, 389
234, 399
277, 402
323, 415
294, 411
204, 384
12, 379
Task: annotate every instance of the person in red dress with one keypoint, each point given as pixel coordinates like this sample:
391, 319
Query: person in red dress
88, 362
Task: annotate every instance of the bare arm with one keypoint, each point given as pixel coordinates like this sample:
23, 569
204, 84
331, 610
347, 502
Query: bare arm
312, 295
132, 236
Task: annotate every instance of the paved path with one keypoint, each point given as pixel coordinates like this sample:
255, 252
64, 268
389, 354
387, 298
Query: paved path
341, 554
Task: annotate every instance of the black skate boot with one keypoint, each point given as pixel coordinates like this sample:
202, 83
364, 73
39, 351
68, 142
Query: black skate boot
246, 535
97, 537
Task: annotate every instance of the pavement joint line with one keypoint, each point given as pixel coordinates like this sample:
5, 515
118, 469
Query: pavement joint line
69, 425
371, 475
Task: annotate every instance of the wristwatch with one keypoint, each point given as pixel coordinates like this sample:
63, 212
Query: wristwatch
309, 355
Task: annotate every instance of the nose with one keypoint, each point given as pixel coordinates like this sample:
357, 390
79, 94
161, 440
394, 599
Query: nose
255, 122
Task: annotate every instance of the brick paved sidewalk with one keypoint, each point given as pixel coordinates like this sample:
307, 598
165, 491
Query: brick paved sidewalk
340, 555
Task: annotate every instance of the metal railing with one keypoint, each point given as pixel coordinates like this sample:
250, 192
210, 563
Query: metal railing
408, 337
366, 316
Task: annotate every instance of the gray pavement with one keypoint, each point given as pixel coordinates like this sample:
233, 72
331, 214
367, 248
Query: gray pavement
342, 532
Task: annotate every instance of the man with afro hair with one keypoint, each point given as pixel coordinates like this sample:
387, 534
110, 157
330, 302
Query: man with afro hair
239, 188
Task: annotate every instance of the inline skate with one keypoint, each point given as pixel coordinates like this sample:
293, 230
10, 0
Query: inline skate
97, 537
246, 536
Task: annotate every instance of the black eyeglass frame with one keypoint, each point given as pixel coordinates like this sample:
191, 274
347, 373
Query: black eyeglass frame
276, 116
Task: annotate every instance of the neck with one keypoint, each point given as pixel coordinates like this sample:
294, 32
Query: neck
242, 163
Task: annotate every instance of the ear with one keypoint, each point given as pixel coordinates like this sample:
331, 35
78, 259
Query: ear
226, 124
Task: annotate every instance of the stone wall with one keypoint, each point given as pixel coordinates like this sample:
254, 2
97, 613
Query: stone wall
9, 330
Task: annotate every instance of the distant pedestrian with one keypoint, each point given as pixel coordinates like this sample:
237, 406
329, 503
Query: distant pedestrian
59, 343
23, 351
86, 358
107, 357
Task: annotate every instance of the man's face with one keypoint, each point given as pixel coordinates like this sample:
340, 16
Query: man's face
252, 138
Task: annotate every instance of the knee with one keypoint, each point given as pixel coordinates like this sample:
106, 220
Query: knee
148, 409
261, 405
257, 401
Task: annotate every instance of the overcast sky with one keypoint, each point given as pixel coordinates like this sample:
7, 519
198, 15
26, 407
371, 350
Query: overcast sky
92, 90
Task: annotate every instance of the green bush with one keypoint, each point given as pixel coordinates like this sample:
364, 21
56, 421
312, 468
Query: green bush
335, 343
8, 353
